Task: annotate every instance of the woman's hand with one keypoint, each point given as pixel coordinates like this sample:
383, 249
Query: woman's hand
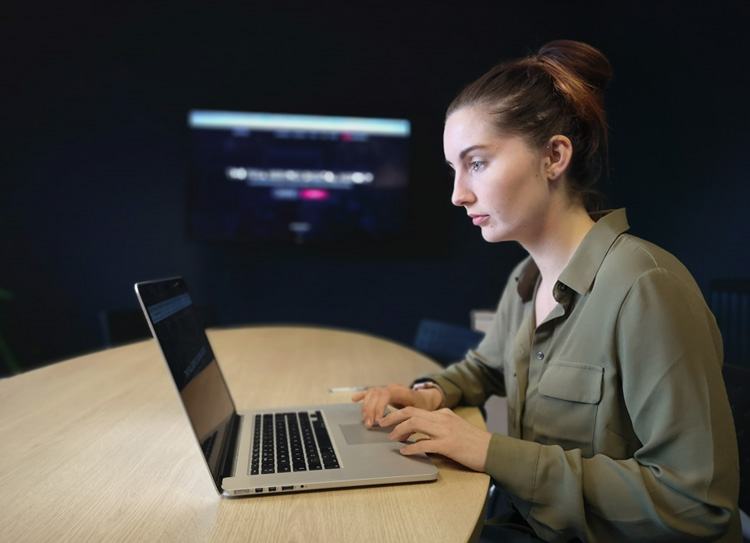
449, 435
375, 400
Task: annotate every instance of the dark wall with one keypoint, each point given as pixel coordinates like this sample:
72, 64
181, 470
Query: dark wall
92, 176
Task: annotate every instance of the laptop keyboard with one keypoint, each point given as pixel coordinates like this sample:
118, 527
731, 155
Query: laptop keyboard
286, 442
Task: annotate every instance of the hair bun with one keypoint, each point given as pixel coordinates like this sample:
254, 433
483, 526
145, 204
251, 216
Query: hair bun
568, 58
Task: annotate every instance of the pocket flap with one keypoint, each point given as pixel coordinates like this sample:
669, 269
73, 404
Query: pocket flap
573, 382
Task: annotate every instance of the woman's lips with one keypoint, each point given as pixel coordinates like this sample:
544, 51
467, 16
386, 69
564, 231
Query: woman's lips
478, 219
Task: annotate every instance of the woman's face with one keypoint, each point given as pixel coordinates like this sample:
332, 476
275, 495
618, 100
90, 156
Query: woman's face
499, 179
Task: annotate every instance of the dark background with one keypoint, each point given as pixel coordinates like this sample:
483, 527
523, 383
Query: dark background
93, 156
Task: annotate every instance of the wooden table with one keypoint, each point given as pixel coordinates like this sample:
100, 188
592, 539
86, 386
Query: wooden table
97, 448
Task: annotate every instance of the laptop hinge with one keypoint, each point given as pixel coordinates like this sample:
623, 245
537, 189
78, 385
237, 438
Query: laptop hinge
228, 454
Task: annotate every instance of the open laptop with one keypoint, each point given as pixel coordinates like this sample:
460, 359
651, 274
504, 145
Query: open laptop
306, 448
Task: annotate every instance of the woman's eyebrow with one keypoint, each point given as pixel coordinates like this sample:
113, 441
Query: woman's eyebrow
469, 149
466, 151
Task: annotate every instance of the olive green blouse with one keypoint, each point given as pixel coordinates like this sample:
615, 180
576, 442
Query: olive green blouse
619, 423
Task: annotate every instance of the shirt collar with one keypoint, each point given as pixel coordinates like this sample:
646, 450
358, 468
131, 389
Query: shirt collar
580, 272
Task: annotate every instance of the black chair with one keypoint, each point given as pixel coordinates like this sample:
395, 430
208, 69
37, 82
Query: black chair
122, 326
737, 381
730, 304
445, 343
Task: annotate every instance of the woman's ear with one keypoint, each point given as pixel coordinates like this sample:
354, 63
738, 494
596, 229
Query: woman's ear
558, 153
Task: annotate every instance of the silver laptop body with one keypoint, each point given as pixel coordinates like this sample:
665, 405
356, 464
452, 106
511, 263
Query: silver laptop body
355, 455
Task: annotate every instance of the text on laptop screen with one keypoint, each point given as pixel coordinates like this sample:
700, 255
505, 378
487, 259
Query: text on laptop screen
327, 180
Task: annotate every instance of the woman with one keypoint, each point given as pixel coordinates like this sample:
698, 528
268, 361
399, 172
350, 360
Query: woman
619, 424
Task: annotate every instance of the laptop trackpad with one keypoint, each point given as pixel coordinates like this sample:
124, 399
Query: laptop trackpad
357, 434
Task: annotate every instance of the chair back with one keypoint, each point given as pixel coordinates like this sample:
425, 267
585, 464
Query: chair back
737, 381
446, 343
730, 304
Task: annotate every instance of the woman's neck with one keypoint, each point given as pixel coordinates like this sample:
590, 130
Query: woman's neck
558, 238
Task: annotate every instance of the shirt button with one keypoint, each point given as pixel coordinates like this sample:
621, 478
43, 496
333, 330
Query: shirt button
540, 355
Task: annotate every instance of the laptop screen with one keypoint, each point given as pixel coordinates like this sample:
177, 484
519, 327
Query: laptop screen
192, 363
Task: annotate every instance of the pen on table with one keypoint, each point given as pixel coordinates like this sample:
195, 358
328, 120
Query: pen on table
350, 389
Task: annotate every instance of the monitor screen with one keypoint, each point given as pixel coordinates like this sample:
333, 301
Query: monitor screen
297, 179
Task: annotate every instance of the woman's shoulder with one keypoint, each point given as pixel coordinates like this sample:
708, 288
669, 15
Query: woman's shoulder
632, 259
640, 255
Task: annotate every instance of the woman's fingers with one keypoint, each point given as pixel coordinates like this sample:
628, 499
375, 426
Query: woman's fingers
375, 401
412, 420
448, 435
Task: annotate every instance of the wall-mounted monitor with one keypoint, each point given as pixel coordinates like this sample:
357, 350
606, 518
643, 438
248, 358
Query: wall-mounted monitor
297, 179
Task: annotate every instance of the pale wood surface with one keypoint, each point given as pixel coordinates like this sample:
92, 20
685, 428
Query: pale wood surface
97, 448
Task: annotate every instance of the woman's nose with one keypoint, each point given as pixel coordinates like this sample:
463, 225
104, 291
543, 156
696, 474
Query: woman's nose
461, 194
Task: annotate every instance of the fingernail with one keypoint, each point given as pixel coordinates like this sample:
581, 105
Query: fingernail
368, 422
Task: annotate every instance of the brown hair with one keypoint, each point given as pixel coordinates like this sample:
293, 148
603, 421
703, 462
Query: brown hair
557, 91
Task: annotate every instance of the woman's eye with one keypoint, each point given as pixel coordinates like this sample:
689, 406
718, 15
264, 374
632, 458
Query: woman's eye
476, 165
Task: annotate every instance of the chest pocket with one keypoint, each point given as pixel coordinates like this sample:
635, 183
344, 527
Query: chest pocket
569, 396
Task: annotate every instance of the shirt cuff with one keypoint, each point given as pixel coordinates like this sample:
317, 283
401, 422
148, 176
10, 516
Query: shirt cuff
451, 393
512, 463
